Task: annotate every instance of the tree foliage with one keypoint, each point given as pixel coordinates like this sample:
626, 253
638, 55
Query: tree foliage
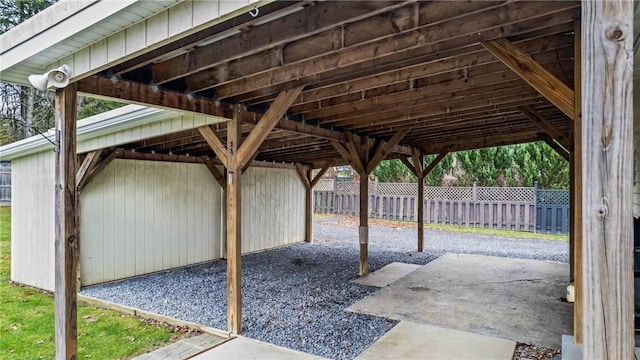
516, 165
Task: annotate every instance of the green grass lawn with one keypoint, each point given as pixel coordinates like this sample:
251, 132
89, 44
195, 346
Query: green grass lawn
26, 321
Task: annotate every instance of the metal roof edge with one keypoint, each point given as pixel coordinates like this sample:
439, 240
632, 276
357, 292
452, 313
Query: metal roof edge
126, 117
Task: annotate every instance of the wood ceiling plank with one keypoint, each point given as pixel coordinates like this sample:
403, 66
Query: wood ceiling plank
311, 20
492, 24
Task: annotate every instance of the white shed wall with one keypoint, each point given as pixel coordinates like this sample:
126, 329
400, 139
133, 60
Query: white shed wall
32, 220
272, 208
139, 217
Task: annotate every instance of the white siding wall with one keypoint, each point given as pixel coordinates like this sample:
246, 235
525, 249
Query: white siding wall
139, 217
272, 208
188, 17
32, 220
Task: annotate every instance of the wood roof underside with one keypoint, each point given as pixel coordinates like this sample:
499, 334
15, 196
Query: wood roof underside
368, 68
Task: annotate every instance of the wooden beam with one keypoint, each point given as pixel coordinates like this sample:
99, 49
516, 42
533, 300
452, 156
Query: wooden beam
363, 230
220, 178
215, 143
559, 149
322, 171
87, 164
386, 149
99, 167
535, 75
444, 152
576, 188
418, 158
607, 203
354, 154
66, 226
409, 165
545, 125
302, 174
234, 224
268, 121
144, 94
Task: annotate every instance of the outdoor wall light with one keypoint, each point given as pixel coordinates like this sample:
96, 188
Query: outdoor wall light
58, 78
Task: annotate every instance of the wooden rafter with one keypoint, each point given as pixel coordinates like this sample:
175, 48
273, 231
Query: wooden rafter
385, 149
214, 143
545, 125
278, 108
554, 90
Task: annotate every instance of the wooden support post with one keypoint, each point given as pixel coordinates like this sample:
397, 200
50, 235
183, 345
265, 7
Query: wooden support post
234, 224
575, 240
364, 224
607, 200
66, 227
309, 181
418, 158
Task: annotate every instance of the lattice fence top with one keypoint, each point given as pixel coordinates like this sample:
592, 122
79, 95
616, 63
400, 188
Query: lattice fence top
553, 197
513, 194
448, 193
324, 184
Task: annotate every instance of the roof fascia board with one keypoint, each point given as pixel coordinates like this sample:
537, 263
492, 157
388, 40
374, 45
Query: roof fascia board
76, 19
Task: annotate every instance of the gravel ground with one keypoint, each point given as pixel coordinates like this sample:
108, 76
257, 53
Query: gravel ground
295, 296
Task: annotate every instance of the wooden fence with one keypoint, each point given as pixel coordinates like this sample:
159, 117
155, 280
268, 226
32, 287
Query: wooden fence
485, 207
5, 183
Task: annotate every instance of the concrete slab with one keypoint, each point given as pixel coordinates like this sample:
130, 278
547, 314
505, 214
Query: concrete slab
409, 340
249, 349
386, 275
184, 349
506, 298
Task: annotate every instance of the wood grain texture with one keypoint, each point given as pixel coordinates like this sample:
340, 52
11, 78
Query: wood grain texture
576, 189
278, 108
66, 227
215, 143
87, 164
607, 146
234, 224
545, 125
535, 75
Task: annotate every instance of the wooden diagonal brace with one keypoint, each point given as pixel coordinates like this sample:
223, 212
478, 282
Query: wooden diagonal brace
211, 165
534, 74
545, 125
323, 170
383, 151
408, 164
302, 174
214, 143
278, 108
99, 167
87, 165
555, 146
417, 157
354, 154
436, 161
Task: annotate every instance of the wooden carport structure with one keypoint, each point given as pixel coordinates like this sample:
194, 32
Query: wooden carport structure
322, 83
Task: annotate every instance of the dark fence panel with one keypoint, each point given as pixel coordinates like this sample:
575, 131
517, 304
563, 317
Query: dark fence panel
5, 182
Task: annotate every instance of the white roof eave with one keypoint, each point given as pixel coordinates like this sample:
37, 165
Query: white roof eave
128, 116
